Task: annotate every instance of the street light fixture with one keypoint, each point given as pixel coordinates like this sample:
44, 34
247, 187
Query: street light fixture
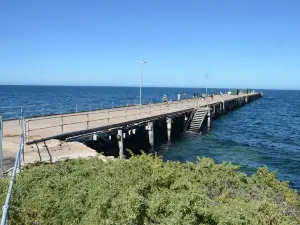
206, 75
141, 66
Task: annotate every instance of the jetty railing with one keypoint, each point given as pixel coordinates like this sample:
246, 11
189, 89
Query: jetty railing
16, 169
37, 110
84, 120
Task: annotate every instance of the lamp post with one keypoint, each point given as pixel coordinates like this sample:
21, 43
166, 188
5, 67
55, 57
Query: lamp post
141, 66
206, 75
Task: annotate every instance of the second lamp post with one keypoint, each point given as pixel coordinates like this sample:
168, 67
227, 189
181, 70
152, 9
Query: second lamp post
141, 66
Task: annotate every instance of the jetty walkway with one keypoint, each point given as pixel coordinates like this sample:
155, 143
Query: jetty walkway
117, 121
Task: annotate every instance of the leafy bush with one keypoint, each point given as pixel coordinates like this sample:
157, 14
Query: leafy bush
146, 190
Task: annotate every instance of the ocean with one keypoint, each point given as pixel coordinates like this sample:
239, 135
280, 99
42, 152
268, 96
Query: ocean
265, 132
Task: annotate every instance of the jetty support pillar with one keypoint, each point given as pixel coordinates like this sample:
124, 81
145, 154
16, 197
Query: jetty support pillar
208, 118
120, 143
214, 112
169, 128
224, 108
150, 129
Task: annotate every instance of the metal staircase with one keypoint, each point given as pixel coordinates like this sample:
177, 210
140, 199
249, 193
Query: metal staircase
188, 122
198, 119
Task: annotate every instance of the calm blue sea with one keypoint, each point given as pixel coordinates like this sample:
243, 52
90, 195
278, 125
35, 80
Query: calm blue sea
265, 132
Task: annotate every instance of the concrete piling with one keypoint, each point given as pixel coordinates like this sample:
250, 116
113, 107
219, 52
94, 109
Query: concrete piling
214, 112
169, 128
185, 120
121, 144
208, 118
224, 109
150, 129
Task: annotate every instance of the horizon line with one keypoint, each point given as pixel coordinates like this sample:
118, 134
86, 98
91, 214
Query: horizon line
146, 86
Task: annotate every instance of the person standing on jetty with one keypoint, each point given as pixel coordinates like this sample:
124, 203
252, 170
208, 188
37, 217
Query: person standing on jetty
184, 96
165, 99
178, 97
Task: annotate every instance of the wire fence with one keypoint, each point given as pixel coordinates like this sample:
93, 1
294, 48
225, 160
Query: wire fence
16, 169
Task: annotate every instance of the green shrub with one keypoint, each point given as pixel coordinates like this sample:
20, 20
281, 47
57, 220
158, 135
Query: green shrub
146, 190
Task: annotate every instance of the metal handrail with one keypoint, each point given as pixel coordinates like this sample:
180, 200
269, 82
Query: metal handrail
162, 107
17, 166
108, 112
20, 111
104, 111
27, 111
133, 100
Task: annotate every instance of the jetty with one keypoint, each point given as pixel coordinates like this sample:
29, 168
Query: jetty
123, 127
66, 136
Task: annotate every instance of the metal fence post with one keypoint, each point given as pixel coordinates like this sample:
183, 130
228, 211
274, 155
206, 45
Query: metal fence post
24, 139
27, 129
88, 119
107, 117
1, 138
62, 124
20, 148
21, 111
19, 160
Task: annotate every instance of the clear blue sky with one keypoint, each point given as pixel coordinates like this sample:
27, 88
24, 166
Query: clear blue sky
239, 43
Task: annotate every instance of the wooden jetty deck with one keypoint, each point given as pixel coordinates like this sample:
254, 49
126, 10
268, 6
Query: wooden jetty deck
86, 124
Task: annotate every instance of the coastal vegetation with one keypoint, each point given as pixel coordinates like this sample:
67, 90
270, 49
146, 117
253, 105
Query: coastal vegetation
146, 190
